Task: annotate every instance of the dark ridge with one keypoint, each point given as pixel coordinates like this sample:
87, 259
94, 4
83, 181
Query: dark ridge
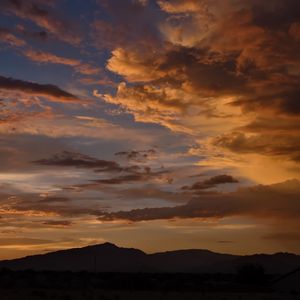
108, 257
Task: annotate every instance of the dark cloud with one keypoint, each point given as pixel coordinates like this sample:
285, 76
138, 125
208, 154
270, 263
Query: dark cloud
63, 223
119, 27
285, 145
132, 173
138, 156
148, 214
143, 176
276, 14
226, 242
42, 14
73, 159
206, 72
149, 192
219, 179
283, 102
53, 199
265, 124
211, 182
52, 92
122, 179
272, 203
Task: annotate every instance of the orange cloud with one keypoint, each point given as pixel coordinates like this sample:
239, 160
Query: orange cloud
49, 58
7, 37
274, 202
219, 69
181, 6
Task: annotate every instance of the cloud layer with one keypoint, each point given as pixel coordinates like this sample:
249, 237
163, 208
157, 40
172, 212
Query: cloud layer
173, 121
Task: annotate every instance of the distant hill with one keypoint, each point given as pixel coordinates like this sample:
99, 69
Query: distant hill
108, 257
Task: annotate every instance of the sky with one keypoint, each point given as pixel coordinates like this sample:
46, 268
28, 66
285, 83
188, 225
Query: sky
154, 124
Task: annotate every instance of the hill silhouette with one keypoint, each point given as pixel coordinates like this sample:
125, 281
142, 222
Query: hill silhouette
108, 257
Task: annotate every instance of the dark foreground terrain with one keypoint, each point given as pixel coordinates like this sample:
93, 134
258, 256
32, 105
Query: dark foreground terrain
109, 258
133, 295
33, 285
109, 272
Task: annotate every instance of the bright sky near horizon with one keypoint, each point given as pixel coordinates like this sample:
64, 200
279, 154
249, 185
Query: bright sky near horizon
155, 124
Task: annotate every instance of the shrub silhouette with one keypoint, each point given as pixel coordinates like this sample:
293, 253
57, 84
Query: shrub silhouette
251, 274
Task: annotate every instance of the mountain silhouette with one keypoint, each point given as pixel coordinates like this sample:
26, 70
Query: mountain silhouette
108, 257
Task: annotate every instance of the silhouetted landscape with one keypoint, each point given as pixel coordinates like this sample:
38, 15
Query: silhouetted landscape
106, 271
168, 126
108, 257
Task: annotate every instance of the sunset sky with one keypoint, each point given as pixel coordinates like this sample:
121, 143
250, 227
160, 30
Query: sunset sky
154, 124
